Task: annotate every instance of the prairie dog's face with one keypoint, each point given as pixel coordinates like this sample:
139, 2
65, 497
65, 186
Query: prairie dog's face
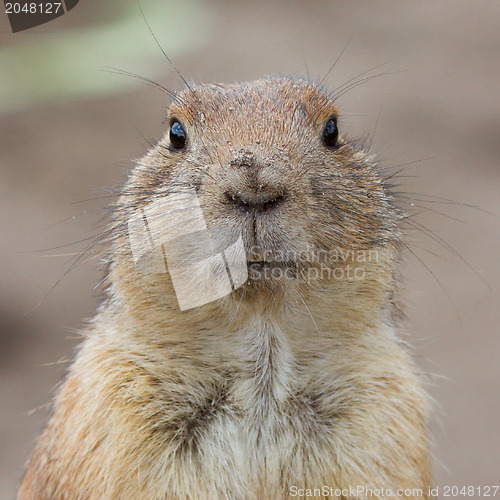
268, 162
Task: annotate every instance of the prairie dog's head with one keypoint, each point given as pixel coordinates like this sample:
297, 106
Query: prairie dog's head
268, 166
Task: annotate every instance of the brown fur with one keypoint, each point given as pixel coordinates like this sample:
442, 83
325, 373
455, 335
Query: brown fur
283, 383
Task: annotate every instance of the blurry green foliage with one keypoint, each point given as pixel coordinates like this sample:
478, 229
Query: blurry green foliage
69, 64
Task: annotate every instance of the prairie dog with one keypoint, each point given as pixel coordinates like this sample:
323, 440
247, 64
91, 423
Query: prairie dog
293, 382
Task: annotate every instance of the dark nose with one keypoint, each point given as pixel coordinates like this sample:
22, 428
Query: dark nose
255, 201
249, 189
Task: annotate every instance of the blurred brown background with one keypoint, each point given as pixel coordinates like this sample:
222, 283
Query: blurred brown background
68, 130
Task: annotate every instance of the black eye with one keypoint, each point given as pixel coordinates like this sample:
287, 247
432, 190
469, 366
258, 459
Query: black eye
177, 135
331, 133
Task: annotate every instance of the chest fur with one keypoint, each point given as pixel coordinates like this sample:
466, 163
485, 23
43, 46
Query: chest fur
254, 425
261, 420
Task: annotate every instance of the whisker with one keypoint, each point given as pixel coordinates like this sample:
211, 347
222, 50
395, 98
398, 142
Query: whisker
438, 281
166, 56
417, 225
336, 61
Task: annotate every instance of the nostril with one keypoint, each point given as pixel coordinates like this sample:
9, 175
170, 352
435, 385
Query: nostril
257, 202
272, 202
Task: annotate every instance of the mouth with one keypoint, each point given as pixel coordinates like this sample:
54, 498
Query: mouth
266, 264
267, 259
